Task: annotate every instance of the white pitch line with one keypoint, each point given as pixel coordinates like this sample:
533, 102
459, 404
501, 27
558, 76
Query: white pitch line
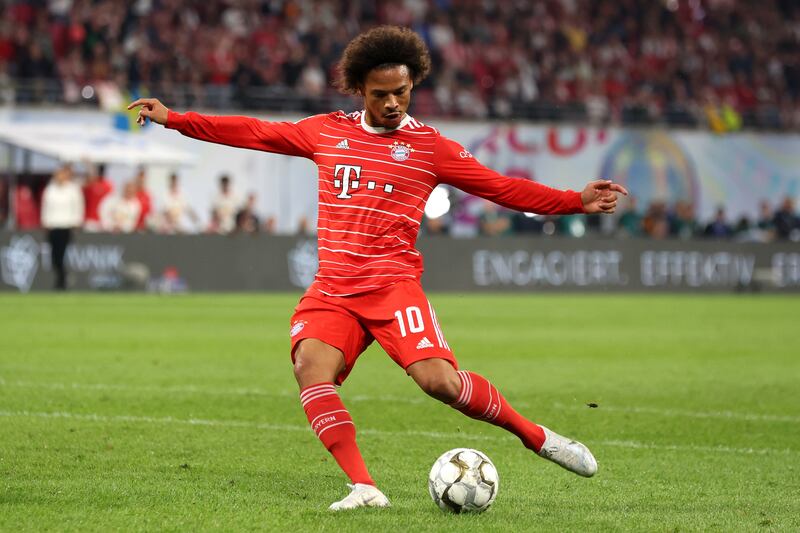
731, 415
695, 448
395, 399
92, 417
187, 389
190, 389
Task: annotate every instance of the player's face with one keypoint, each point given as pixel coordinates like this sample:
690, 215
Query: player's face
387, 93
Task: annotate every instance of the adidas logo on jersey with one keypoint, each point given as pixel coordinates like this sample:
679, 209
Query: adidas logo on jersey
343, 144
424, 343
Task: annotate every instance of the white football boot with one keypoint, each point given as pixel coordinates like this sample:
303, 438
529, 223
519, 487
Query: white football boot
361, 495
568, 453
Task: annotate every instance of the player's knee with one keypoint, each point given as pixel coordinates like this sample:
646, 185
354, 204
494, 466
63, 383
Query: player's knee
443, 387
316, 362
303, 366
306, 366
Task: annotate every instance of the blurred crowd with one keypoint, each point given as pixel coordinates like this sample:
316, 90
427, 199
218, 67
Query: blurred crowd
472, 216
98, 207
134, 208
720, 63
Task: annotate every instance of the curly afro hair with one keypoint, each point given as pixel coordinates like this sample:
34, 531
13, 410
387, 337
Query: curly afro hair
383, 46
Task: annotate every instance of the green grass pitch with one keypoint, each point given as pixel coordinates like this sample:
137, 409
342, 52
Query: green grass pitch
146, 413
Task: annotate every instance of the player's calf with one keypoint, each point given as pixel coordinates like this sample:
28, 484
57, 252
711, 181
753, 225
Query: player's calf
333, 425
479, 399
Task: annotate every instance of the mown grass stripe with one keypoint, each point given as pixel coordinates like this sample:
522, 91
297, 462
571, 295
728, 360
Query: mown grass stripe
243, 391
93, 417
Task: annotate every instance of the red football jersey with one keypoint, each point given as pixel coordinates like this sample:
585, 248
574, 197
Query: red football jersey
373, 186
93, 194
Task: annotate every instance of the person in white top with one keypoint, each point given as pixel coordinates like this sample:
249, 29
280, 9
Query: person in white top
121, 213
176, 209
224, 208
62, 210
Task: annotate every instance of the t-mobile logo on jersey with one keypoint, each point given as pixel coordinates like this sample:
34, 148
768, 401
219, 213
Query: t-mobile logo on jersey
349, 181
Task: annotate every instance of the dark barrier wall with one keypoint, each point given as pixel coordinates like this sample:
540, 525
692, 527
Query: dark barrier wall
610, 264
268, 263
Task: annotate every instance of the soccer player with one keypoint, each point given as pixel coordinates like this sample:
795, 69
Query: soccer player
377, 168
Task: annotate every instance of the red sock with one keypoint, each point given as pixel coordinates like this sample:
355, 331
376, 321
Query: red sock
332, 423
480, 400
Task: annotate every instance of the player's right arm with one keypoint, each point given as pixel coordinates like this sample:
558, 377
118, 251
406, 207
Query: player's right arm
290, 138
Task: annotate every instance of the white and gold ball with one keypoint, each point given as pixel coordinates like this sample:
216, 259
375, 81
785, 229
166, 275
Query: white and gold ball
463, 480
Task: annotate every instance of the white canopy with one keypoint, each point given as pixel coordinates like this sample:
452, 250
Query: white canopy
77, 143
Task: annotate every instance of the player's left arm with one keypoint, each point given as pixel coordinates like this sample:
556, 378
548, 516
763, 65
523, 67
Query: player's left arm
457, 167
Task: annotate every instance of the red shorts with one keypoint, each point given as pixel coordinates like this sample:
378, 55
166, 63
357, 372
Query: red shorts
399, 317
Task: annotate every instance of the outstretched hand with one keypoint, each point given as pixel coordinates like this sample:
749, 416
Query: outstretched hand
600, 196
152, 108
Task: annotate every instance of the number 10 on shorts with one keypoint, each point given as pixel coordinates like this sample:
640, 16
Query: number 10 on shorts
413, 317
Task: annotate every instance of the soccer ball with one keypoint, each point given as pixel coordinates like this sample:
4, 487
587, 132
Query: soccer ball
463, 481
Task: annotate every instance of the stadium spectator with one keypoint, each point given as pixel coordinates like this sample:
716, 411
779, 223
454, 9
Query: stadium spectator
224, 207
62, 211
766, 220
95, 188
121, 214
144, 198
655, 223
630, 221
26, 207
304, 227
719, 228
528, 223
247, 221
494, 221
682, 223
437, 226
312, 79
745, 231
176, 212
786, 222
570, 225
466, 215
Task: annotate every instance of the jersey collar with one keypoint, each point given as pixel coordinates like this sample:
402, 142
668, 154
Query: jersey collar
370, 129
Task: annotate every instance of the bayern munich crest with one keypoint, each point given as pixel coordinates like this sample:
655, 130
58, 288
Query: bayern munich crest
297, 327
400, 151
